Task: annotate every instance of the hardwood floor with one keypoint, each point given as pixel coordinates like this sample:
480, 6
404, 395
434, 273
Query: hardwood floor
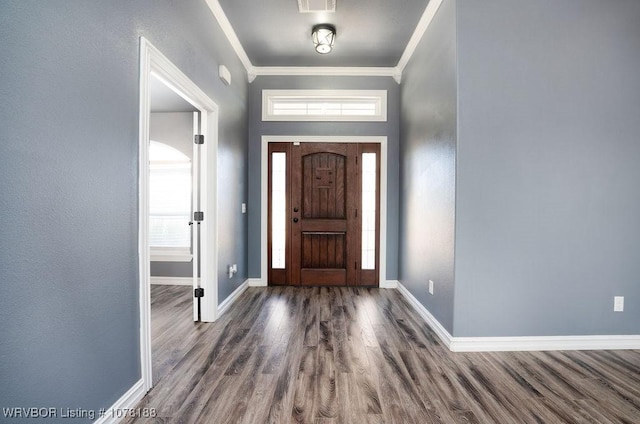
348, 355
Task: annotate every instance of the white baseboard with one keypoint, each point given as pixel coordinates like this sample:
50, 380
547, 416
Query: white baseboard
172, 281
257, 282
129, 400
496, 344
435, 325
523, 343
389, 284
226, 304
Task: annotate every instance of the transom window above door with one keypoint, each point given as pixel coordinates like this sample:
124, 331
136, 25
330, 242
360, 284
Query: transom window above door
324, 105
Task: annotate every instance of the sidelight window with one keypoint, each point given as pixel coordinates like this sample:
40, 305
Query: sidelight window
369, 177
278, 209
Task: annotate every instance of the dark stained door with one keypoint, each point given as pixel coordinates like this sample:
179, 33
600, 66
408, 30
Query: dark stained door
324, 226
324, 191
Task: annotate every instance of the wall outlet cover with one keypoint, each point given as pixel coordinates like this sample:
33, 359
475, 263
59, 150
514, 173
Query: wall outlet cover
618, 303
431, 286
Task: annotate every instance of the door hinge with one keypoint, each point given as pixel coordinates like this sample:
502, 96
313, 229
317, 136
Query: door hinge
356, 213
355, 265
198, 216
198, 292
198, 139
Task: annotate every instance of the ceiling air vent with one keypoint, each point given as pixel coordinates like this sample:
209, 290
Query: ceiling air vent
310, 6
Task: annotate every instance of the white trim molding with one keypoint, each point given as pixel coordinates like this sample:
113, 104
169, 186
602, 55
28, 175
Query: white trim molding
328, 71
226, 304
427, 17
144, 255
389, 284
257, 282
129, 400
172, 281
226, 27
435, 325
393, 71
524, 343
266, 139
536, 343
153, 62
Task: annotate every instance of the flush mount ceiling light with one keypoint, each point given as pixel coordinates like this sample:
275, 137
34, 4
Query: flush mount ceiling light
323, 36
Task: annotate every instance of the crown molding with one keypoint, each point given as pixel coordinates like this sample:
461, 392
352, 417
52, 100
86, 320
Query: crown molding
394, 72
226, 27
329, 71
421, 28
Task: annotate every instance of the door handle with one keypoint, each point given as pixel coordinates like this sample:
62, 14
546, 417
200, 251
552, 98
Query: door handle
295, 219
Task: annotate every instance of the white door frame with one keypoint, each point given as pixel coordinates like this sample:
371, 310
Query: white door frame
264, 203
152, 61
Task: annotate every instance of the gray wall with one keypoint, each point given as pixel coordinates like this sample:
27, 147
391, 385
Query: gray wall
68, 197
427, 163
258, 128
174, 129
547, 228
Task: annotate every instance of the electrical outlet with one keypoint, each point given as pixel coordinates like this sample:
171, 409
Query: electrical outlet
618, 303
230, 270
244, 208
431, 286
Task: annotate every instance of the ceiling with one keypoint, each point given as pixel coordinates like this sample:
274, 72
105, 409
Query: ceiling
164, 99
370, 33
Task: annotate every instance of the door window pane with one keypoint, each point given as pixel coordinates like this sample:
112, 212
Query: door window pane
278, 209
369, 175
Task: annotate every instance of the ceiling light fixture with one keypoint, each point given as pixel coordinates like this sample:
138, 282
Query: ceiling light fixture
323, 36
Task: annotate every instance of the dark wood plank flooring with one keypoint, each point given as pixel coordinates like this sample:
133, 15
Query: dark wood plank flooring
349, 355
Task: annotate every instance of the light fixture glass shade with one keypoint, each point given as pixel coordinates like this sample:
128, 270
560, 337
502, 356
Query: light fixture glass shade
323, 36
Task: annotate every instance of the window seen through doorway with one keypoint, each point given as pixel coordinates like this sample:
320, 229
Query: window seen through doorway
170, 197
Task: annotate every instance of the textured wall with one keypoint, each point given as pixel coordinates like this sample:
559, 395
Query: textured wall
258, 129
547, 228
427, 163
68, 191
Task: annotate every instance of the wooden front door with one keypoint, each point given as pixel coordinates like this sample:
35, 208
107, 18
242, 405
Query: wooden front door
320, 209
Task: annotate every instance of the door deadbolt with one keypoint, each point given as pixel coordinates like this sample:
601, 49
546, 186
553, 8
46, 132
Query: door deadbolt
295, 219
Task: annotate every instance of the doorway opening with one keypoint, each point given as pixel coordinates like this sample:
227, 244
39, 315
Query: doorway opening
177, 206
324, 211
173, 192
